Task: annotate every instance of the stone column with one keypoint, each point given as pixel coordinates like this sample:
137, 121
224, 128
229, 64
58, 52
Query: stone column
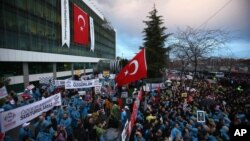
54, 70
72, 69
25, 74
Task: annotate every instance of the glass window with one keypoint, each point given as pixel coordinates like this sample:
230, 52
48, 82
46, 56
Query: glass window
8, 69
22, 24
52, 2
36, 68
11, 2
18, 88
24, 42
11, 22
78, 66
31, 6
63, 66
39, 9
41, 29
11, 39
32, 26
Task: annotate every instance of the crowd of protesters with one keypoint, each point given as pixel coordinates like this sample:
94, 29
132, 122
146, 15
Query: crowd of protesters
81, 117
162, 115
167, 115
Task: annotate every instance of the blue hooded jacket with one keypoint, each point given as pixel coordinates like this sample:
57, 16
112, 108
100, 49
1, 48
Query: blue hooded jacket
66, 123
24, 133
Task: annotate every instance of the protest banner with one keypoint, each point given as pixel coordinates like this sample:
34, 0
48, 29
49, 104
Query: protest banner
70, 84
13, 118
59, 83
86, 77
153, 86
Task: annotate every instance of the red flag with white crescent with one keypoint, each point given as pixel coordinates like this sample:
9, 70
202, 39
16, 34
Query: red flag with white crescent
135, 69
81, 26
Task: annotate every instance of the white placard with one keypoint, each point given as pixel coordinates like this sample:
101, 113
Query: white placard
124, 94
200, 116
129, 101
3, 92
98, 89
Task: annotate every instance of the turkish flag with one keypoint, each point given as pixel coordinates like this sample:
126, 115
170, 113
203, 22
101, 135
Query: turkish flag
159, 89
140, 95
134, 70
133, 115
81, 26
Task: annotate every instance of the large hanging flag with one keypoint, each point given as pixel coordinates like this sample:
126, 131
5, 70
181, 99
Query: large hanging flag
134, 70
81, 26
65, 22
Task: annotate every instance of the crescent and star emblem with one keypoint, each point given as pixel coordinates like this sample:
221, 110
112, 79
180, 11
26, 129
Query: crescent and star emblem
80, 17
135, 62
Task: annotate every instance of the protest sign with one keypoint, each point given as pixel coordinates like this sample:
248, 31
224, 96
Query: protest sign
70, 84
3, 92
200, 116
13, 118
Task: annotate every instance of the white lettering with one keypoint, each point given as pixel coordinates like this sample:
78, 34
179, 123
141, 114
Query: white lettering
237, 132
243, 131
240, 132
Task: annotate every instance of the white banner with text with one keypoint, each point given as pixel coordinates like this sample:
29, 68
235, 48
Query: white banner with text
70, 84
13, 118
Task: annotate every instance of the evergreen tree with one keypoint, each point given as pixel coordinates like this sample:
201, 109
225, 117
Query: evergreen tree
154, 39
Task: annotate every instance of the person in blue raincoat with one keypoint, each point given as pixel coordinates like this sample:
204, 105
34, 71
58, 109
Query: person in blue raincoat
224, 133
124, 116
37, 94
75, 115
138, 136
40, 125
46, 135
175, 132
7, 106
51, 86
25, 131
84, 110
79, 102
52, 120
66, 123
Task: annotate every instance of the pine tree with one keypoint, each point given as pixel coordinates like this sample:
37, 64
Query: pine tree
154, 39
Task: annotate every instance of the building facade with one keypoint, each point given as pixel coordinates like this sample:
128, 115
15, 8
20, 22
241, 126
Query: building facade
31, 41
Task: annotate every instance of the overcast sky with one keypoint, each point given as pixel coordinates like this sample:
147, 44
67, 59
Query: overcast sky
127, 18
